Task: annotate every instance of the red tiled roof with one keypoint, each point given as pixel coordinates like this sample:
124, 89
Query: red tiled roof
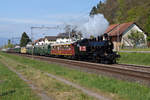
114, 30
38, 40
51, 38
111, 27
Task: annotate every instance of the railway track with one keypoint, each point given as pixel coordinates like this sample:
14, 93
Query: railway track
140, 73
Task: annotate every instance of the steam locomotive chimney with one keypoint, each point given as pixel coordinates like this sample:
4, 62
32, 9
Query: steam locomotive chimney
106, 36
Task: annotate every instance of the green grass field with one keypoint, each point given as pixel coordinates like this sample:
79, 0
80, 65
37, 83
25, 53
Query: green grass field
119, 90
135, 58
53, 88
137, 49
12, 87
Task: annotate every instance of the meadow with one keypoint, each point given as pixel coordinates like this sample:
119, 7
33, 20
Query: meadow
116, 89
135, 58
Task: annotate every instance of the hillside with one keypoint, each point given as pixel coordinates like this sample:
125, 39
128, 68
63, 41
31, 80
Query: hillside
119, 11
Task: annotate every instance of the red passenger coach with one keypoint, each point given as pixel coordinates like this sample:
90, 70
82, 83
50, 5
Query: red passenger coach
63, 49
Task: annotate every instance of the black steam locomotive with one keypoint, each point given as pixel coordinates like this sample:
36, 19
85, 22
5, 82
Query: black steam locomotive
98, 49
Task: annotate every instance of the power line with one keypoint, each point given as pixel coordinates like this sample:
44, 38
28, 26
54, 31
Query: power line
42, 27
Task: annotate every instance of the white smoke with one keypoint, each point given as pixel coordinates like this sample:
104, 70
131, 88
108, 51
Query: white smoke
89, 26
95, 26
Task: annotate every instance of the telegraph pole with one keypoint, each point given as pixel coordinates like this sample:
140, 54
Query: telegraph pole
32, 40
14, 39
118, 38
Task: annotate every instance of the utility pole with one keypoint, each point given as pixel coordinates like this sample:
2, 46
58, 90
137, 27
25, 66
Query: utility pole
118, 38
32, 35
32, 40
69, 37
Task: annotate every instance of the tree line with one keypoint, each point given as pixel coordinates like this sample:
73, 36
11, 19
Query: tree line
120, 11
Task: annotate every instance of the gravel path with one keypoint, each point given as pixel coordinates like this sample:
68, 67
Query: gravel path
45, 97
88, 92
40, 93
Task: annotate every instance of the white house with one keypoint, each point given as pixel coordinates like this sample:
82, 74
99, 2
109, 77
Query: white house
63, 38
50, 39
39, 41
29, 44
119, 34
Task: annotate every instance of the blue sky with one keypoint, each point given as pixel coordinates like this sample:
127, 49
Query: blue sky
17, 16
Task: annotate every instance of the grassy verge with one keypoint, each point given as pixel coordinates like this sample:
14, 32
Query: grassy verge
125, 90
137, 49
12, 87
135, 58
53, 88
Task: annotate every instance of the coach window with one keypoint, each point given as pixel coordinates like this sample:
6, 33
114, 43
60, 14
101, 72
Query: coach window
63, 47
66, 47
55, 47
69, 47
48, 46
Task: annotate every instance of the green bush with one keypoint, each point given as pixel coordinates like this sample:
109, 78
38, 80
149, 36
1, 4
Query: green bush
148, 38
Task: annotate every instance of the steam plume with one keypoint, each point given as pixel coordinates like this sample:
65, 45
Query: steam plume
95, 26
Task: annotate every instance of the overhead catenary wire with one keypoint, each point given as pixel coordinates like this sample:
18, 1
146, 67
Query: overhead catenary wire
91, 3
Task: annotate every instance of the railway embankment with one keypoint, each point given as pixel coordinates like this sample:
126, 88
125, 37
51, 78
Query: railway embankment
109, 87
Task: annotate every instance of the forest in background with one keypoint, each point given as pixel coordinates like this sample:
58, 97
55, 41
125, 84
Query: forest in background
121, 11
